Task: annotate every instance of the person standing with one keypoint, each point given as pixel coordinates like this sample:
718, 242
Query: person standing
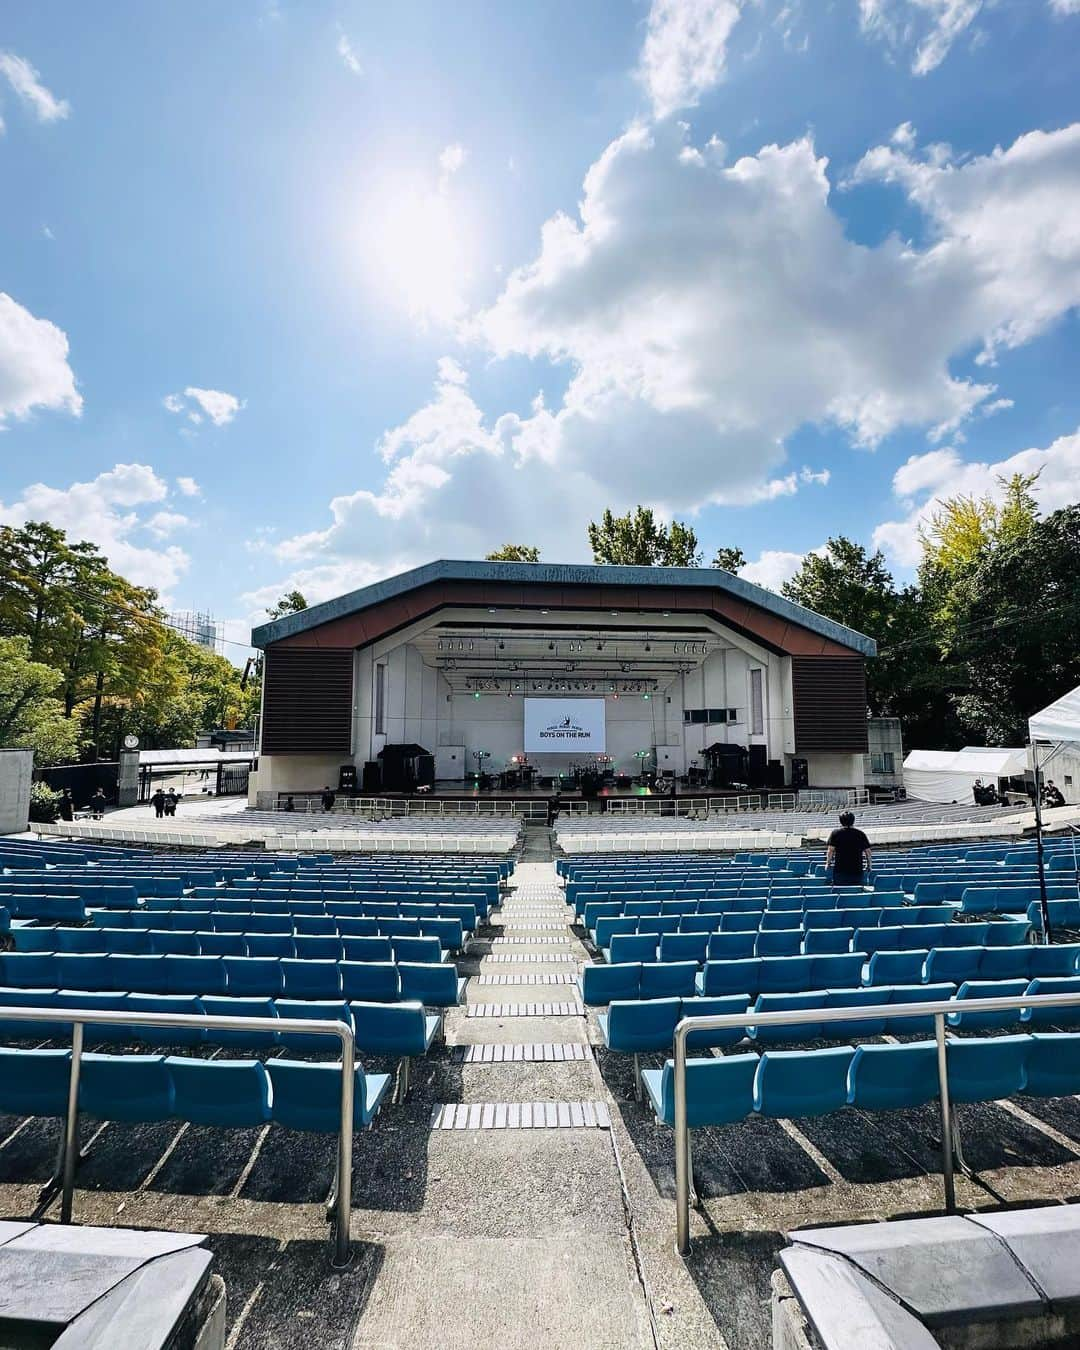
67, 806
328, 798
848, 853
171, 801
290, 805
98, 804
157, 801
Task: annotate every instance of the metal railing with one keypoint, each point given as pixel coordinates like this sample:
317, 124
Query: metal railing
938, 1009
80, 1017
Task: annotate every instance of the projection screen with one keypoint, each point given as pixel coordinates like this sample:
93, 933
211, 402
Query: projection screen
565, 726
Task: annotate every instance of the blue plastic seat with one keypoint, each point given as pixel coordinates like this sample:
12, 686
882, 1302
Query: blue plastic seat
723, 1006
859, 1026
34, 1082
684, 947
806, 1031
987, 1070
367, 949
827, 941
635, 1026
165, 1003
317, 947
731, 946
741, 923
221, 944
317, 1010
269, 945
781, 920
887, 1077
110, 1034
842, 971
195, 974
955, 964
218, 1005
674, 979
252, 976
34, 970
125, 1087
308, 1096
418, 950
718, 1091
627, 947
1007, 963
227, 1092
915, 993
1053, 1065
1056, 961
325, 924
310, 979
1054, 1017
896, 967
137, 974
971, 991
435, 986
600, 985
803, 1082
370, 981
789, 974
732, 977
394, 1028
170, 943
78, 971
786, 942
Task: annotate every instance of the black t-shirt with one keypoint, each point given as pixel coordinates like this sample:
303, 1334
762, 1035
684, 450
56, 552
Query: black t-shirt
849, 845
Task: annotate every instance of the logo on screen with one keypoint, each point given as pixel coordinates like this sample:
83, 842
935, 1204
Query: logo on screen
566, 730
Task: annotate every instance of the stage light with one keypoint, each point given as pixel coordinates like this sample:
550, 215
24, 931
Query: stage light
646, 697
551, 646
648, 646
477, 694
502, 645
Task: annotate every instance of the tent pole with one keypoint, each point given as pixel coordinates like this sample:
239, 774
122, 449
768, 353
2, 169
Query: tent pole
1043, 905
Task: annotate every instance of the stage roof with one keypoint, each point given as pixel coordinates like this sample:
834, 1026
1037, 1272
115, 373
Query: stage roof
584, 586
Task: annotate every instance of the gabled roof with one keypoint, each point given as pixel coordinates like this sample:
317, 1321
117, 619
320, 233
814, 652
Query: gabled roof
565, 575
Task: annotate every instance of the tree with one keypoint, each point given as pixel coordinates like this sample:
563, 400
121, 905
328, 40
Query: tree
292, 602
730, 559
637, 540
31, 716
514, 553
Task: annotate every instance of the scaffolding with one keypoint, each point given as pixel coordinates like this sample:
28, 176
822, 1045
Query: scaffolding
198, 627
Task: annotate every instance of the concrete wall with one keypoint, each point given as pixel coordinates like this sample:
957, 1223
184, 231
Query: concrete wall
16, 771
835, 770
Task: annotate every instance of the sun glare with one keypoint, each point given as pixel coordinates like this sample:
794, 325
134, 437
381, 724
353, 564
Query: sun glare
416, 250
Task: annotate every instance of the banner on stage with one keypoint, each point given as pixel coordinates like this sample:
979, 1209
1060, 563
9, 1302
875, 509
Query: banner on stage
565, 725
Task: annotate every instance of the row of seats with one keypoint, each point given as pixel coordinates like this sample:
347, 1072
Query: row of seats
398, 1029
232, 1093
150, 941
640, 1026
450, 930
435, 985
774, 906
815, 942
1062, 914
600, 985
797, 1083
755, 920
973, 963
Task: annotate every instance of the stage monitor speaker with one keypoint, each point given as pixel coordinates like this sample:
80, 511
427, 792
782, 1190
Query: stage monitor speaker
774, 775
372, 776
425, 770
346, 781
800, 774
757, 769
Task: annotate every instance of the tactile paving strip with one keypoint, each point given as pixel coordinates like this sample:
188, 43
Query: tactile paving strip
532, 957
532, 941
525, 1010
559, 977
537, 1052
520, 1116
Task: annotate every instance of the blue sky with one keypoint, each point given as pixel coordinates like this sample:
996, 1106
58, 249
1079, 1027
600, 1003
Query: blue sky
299, 293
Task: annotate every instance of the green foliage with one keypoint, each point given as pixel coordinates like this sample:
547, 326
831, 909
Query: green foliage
638, 540
31, 716
44, 802
514, 553
730, 559
292, 602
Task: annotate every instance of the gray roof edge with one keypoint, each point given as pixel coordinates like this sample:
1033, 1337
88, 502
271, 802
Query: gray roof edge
559, 574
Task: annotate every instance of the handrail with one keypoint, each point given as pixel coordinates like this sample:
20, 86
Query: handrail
937, 1009
80, 1017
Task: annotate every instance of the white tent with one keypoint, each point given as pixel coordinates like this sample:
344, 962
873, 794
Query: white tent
1058, 722
949, 775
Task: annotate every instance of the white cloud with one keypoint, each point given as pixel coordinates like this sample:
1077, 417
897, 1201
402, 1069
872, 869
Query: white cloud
220, 407
926, 28
774, 566
188, 487
925, 480
109, 511
26, 83
348, 55
1065, 6
706, 312
684, 51
451, 161
34, 369
164, 523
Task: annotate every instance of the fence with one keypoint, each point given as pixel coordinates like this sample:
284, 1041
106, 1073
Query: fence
80, 1018
937, 1009
398, 808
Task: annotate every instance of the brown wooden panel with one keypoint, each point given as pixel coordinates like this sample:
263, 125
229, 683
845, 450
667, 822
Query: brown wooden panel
829, 703
307, 703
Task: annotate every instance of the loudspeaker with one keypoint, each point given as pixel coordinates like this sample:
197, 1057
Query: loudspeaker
774, 775
372, 776
800, 774
757, 769
347, 778
425, 770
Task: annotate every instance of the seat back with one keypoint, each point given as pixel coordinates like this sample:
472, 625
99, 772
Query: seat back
896, 967
987, 1070
673, 979
226, 1092
886, 1077
718, 1091
638, 1026
601, 985
792, 1083
125, 1087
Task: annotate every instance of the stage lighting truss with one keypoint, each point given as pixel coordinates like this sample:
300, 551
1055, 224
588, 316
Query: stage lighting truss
534, 684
